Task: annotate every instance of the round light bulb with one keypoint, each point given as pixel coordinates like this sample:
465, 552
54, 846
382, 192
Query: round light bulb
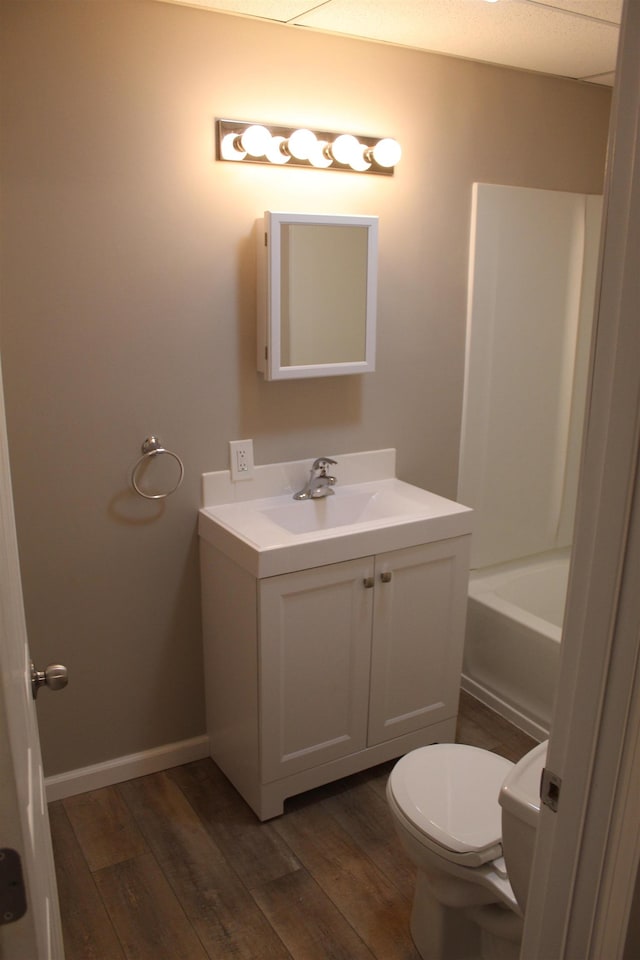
301, 143
345, 148
387, 152
359, 162
274, 154
255, 140
318, 156
228, 149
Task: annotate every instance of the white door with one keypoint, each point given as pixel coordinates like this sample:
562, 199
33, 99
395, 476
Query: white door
24, 821
315, 641
418, 635
587, 857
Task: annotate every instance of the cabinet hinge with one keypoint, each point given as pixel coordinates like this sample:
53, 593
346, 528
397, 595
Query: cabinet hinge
266, 353
550, 784
266, 243
13, 898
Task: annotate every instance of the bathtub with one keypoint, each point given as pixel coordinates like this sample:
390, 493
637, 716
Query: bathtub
512, 645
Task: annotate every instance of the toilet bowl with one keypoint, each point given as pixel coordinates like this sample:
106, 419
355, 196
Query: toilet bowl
467, 819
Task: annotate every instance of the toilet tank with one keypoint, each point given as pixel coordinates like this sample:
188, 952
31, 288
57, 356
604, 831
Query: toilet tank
520, 801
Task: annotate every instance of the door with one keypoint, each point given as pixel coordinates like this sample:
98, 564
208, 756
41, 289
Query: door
315, 638
586, 865
418, 635
24, 822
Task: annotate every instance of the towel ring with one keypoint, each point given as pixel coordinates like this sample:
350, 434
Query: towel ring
153, 448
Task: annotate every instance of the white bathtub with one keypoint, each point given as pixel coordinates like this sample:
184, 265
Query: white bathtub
512, 647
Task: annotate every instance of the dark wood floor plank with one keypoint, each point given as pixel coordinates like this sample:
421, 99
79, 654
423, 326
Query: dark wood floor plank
373, 906
365, 816
481, 727
307, 921
256, 850
378, 777
149, 921
104, 827
88, 931
225, 916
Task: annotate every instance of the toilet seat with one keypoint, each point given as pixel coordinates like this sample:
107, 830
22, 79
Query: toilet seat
447, 794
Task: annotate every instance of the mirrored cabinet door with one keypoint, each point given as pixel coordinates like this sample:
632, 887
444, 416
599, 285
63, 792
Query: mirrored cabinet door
317, 281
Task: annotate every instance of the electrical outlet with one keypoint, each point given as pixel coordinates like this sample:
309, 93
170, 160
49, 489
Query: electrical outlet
241, 457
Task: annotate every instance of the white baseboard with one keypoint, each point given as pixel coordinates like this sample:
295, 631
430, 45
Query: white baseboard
98, 775
495, 703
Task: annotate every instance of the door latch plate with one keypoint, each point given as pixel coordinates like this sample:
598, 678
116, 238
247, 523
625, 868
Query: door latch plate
550, 785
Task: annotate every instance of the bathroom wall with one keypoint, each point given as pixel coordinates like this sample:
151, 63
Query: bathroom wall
128, 304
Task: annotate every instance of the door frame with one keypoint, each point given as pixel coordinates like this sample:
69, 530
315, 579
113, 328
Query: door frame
587, 854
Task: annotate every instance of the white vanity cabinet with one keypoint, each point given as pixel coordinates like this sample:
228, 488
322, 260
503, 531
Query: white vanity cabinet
319, 673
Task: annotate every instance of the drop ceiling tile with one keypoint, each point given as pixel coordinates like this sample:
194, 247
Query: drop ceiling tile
604, 79
282, 10
570, 38
610, 11
531, 36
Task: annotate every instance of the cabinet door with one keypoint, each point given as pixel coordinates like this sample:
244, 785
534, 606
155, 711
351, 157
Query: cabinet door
315, 635
418, 635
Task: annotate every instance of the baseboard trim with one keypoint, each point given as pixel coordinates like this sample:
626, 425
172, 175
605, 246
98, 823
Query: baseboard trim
535, 730
133, 765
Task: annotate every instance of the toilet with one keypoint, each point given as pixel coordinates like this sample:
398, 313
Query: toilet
467, 819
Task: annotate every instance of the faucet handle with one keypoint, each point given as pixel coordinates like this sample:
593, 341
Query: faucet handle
321, 464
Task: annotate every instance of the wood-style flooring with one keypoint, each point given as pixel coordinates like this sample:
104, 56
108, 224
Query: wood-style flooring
175, 866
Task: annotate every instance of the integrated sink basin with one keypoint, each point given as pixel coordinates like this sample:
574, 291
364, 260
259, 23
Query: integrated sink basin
346, 507
275, 535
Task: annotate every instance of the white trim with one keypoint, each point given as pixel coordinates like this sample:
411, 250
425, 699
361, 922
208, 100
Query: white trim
271, 366
620, 866
133, 765
503, 709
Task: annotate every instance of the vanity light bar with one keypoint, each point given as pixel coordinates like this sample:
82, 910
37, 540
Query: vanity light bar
243, 141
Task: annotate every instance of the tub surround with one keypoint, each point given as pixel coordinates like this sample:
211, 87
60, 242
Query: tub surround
512, 646
537, 585
533, 261
533, 258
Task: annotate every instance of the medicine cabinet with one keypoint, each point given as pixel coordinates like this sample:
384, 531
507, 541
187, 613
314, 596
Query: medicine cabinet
317, 285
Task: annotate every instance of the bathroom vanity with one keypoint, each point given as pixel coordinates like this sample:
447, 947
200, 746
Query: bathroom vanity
333, 629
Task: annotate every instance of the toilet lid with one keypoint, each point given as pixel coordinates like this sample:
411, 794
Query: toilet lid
449, 793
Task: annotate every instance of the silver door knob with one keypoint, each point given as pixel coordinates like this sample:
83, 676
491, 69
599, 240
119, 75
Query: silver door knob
55, 676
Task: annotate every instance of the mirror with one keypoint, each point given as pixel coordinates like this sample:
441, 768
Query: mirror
317, 280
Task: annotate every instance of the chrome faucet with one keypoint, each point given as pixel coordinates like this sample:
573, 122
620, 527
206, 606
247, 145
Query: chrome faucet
320, 481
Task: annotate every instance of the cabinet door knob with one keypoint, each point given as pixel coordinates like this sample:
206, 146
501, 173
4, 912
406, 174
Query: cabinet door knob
368, 582
386, 576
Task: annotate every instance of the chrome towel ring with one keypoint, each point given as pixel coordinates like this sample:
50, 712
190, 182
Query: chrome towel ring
153, 448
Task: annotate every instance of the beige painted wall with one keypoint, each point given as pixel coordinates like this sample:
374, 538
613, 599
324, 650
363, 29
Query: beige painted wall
129, 304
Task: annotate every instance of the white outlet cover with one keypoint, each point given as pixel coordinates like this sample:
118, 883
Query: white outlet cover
241, 459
